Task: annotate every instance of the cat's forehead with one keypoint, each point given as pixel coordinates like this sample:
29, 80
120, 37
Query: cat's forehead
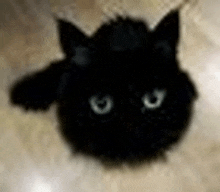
124, 71
123, 34
119, 62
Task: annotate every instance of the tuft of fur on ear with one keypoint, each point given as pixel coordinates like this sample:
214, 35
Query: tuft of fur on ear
166, 35
71, 38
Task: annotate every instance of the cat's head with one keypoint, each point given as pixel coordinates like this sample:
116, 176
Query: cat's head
124, 96
120, 35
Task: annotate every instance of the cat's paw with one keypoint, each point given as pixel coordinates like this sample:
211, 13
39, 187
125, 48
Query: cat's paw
31, 94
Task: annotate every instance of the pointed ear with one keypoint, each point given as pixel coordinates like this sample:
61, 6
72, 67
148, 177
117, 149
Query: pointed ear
166, 34
70, 38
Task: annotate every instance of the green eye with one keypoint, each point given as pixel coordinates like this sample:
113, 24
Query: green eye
155, 99
101, 106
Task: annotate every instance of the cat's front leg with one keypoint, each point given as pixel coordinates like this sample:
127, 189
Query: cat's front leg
38, 90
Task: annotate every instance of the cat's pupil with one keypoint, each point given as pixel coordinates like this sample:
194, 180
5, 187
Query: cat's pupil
153, 99
101, 103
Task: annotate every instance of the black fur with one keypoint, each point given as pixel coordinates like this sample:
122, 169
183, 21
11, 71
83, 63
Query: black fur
124, 60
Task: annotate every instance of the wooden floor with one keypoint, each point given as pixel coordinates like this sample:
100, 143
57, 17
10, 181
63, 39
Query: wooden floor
34, 158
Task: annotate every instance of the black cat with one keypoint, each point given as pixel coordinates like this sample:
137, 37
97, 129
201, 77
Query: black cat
120, 94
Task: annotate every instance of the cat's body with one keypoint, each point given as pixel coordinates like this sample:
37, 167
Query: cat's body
120, 94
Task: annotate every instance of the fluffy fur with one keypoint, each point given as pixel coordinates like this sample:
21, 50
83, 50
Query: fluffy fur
125, 67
